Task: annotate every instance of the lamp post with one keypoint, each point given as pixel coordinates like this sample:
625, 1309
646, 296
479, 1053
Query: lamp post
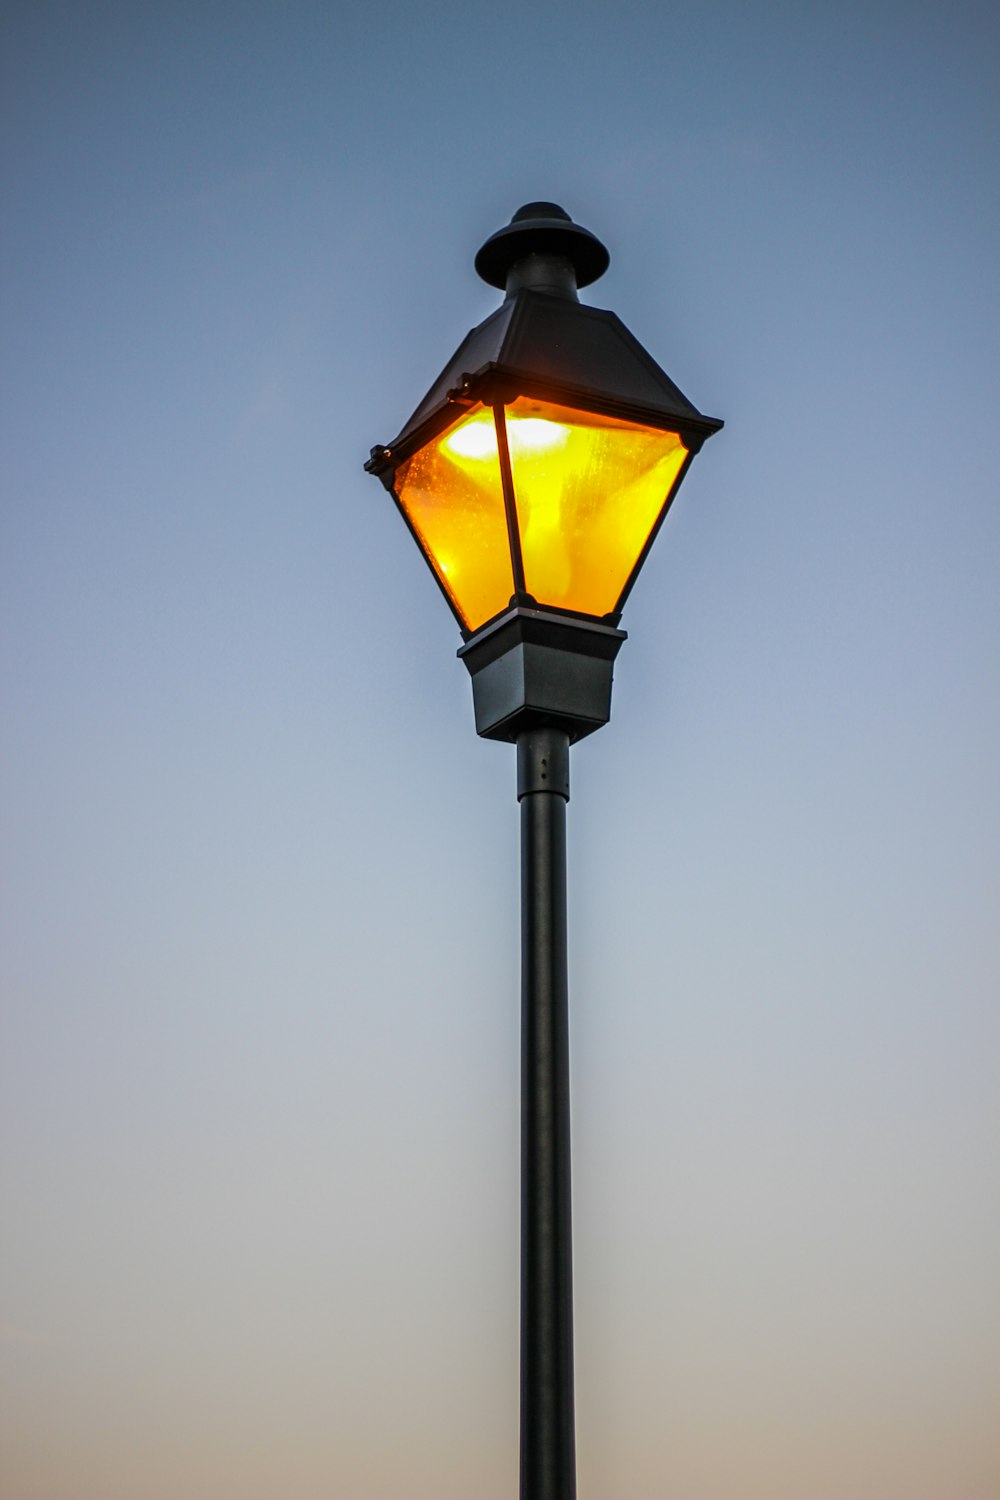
534, 477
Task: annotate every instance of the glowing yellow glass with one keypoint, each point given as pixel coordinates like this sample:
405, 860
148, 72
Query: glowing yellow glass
588, 492
452, 495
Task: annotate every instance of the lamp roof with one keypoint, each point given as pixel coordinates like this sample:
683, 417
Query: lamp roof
541, 344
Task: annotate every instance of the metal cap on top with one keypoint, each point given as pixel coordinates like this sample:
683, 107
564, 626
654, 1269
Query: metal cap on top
542, 229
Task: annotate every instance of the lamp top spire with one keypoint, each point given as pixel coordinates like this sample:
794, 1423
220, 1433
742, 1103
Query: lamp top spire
543, 249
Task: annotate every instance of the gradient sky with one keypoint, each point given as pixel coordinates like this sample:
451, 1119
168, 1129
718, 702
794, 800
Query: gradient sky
260, 950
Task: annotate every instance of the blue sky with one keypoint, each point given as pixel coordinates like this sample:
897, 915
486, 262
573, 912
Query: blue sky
259, 959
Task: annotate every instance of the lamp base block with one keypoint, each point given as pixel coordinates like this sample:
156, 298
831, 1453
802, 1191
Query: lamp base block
534, 669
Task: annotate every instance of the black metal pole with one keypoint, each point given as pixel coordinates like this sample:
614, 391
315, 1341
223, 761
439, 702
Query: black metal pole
548, 1444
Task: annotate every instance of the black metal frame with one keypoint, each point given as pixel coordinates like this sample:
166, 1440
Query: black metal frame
509, 502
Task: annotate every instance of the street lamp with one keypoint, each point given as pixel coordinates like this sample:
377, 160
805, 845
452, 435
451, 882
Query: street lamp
534, 477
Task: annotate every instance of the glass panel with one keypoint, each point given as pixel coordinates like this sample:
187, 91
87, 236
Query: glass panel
453, 497
588, 490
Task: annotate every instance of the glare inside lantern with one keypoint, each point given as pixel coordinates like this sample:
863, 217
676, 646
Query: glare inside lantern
587, 491
538, 469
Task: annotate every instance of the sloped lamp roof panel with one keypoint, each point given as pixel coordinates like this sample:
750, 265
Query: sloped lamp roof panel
536, 344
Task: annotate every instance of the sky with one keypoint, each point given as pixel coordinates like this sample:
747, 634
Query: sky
259, 947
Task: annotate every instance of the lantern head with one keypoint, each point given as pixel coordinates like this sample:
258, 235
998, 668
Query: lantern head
536, 472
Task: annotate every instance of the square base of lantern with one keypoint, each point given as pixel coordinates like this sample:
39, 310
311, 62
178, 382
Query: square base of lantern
533, 669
